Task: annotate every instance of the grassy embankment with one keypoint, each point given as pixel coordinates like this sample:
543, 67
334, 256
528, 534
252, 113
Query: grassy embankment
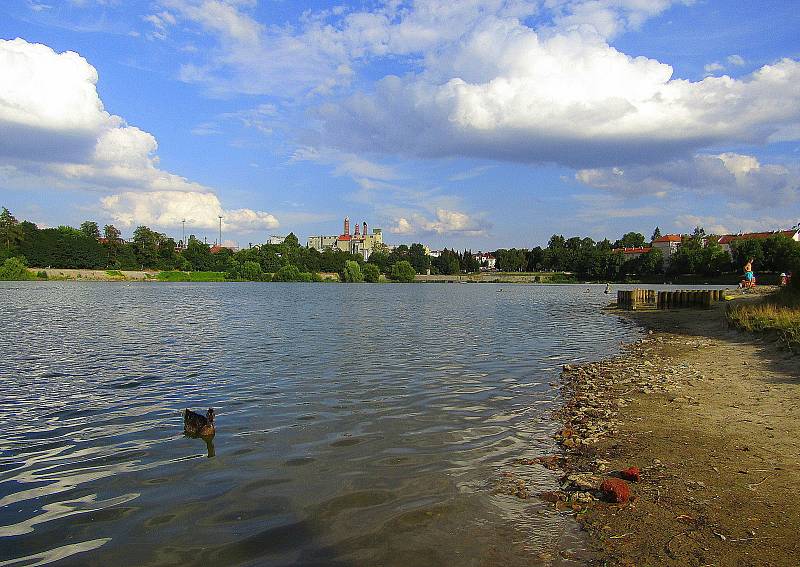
778, 313
191, 276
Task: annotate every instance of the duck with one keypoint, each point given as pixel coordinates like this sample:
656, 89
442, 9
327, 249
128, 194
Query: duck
196, 425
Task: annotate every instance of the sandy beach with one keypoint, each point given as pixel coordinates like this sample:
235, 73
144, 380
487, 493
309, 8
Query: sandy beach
711, 418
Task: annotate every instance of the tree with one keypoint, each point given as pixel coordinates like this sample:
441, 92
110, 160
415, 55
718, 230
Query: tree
251, 271
13, 269
630, 240
380, 259
418, 258
372, 273
288, 273
145, 244
352, 272
10, 231
90, 229
198, 255
656, 235
403, 271
291, 241
111, 233
745, 249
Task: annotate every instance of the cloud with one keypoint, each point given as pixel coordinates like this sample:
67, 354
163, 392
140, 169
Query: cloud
362, 170
712, 68
446, 222
57, 134
471, 173
317, 54
737, 60
169, 208
738, 177
733, 224
508, 93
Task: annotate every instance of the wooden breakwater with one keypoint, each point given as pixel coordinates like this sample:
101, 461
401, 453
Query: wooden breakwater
638, 299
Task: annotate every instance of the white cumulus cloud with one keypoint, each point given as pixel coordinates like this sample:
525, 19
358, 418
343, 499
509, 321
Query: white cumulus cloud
169, 208
509, 93
446, 222
56, 132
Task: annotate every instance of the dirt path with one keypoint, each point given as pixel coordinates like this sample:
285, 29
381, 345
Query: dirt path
712, 419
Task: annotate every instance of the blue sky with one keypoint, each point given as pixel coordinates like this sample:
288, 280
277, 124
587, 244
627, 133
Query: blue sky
478, 124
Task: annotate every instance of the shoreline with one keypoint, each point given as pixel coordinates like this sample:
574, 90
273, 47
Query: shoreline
709, 418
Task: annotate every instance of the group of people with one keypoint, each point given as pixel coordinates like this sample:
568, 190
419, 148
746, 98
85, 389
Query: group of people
750, 277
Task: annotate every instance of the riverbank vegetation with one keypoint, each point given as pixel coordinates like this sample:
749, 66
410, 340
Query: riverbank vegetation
777, 313
567, 260
91, 248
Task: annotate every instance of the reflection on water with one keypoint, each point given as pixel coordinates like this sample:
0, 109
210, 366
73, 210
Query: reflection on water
356, 425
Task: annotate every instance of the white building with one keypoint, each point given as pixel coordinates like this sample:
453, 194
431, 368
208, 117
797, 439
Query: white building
486, 260
273, 239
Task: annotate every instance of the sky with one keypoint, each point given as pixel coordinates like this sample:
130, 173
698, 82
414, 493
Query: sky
476, 123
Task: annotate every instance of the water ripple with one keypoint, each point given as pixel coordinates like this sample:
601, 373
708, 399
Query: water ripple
357, 425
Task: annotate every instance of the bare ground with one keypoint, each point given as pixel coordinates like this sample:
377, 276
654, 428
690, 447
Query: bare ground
712, 419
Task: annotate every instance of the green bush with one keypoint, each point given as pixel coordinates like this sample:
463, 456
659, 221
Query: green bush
352, 272
288, 273
206, 276
251, 271
372, 273
403, 271
42, 275
14, 269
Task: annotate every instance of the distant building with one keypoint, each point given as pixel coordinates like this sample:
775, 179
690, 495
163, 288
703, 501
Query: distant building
726, 240
668, 244
435, 253
631, 253
216, 249
275, 240
486, 261
361, 243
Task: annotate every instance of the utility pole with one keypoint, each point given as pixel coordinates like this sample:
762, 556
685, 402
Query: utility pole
220, 230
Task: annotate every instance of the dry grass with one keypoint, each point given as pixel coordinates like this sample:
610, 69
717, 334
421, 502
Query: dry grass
779, 313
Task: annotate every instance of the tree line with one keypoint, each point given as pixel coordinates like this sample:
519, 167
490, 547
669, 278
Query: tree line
89, 247
698, 254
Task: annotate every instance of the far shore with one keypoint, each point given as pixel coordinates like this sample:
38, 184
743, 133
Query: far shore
69, 274
711, 418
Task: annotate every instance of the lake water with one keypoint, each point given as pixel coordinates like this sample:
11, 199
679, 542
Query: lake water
356, 424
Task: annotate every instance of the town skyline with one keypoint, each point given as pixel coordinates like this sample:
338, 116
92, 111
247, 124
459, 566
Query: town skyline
484, 125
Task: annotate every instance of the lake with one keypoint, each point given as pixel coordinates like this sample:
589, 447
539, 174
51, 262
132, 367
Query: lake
356, 424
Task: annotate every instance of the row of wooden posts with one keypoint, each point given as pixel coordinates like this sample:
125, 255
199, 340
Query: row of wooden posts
648, 298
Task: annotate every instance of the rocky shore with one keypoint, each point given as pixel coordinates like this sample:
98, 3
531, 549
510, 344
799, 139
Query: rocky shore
683, 450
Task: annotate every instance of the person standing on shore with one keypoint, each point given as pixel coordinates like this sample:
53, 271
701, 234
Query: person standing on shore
749, 277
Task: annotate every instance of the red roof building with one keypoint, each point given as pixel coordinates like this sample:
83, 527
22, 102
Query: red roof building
726, 240
631, 253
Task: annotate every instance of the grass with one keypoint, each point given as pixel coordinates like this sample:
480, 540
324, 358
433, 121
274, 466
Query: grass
778, 313
115, 274
175, 276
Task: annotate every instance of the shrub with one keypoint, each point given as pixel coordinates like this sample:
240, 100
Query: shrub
14, 269
288, 273
372, 273
403, 271
42, 275
352, 272
251, 271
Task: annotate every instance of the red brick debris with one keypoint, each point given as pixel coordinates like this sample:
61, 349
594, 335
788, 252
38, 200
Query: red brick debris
631, 473
616, 490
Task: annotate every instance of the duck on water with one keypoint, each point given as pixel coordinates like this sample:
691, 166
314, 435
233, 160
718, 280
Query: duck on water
196, 425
